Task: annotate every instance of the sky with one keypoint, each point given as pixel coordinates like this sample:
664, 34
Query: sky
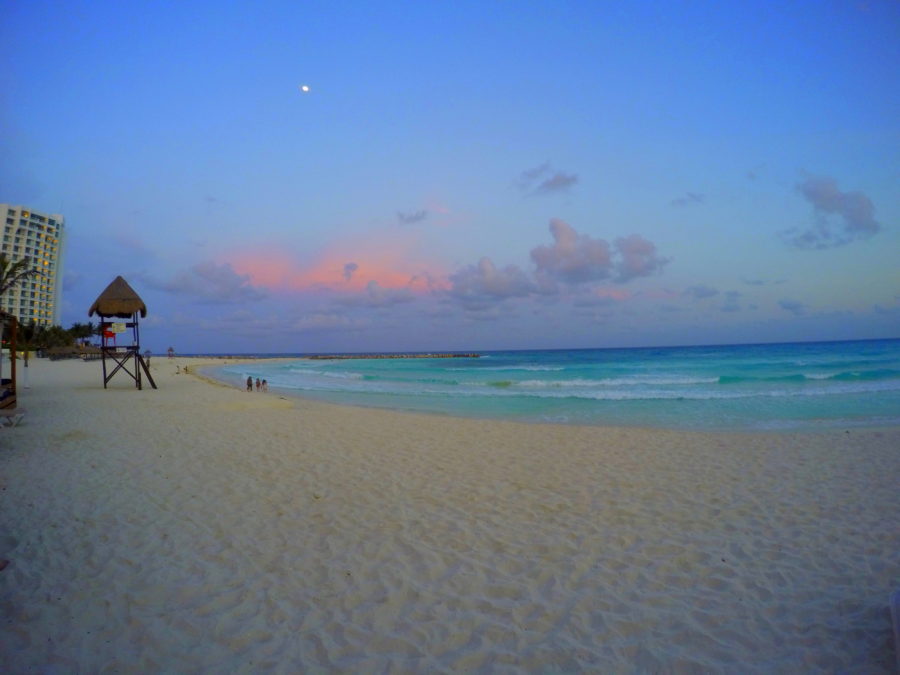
464, 176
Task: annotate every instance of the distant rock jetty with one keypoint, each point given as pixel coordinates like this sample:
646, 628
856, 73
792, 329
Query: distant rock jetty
395, 356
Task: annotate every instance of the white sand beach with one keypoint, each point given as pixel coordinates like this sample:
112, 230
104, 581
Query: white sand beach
200, 528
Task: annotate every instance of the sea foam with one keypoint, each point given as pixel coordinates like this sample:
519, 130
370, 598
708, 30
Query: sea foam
803, 385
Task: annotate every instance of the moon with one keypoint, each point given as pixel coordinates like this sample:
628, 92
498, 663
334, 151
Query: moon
304, 88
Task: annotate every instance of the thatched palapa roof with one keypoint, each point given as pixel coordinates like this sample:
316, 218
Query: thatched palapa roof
119, 300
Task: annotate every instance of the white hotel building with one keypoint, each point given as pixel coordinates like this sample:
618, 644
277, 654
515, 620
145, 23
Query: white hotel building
40, 238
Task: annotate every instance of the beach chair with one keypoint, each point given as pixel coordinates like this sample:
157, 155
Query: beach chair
7, 397
10, 417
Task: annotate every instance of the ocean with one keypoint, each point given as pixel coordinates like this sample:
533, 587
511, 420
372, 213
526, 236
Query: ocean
796, 386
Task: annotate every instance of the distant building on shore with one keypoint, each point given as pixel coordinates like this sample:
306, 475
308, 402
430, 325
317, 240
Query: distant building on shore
40, 238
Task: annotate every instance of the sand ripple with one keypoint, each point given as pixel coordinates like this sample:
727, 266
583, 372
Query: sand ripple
202, 529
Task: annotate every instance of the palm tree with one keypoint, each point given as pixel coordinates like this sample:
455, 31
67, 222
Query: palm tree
82, 332
29, 337
55, 336
11, 273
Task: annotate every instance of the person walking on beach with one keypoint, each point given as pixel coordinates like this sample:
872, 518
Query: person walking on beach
249, 383
265, 386
258, 384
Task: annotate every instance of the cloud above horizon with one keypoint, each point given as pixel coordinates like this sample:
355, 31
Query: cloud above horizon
376, 295
793, 306
573, 258
763, 282
71, 280
601, 297
253, 324
839, 217
700, 292
638, 258
576, 258
732, 301
211, 283
474, 284
689, 199
392, 257
543, 180
412, 217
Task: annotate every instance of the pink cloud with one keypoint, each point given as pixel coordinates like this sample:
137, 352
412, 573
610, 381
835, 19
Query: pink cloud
266, 268
573, 257
618, 294
854, 210
601, 296
638, 257
659, 294
390, 261
576, 258
475, 283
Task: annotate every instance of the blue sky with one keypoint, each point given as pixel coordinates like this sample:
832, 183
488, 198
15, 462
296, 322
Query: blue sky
481, 175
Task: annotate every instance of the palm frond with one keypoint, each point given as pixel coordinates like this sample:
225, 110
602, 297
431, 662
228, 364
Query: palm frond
11, 273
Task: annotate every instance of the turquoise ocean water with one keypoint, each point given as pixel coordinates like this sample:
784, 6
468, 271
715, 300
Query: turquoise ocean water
800, 386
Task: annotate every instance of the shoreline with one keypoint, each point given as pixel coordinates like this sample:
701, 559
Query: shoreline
206, 528
391, 355
797, 427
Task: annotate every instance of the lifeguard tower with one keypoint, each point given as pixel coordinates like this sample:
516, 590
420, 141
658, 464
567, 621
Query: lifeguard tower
119, 301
